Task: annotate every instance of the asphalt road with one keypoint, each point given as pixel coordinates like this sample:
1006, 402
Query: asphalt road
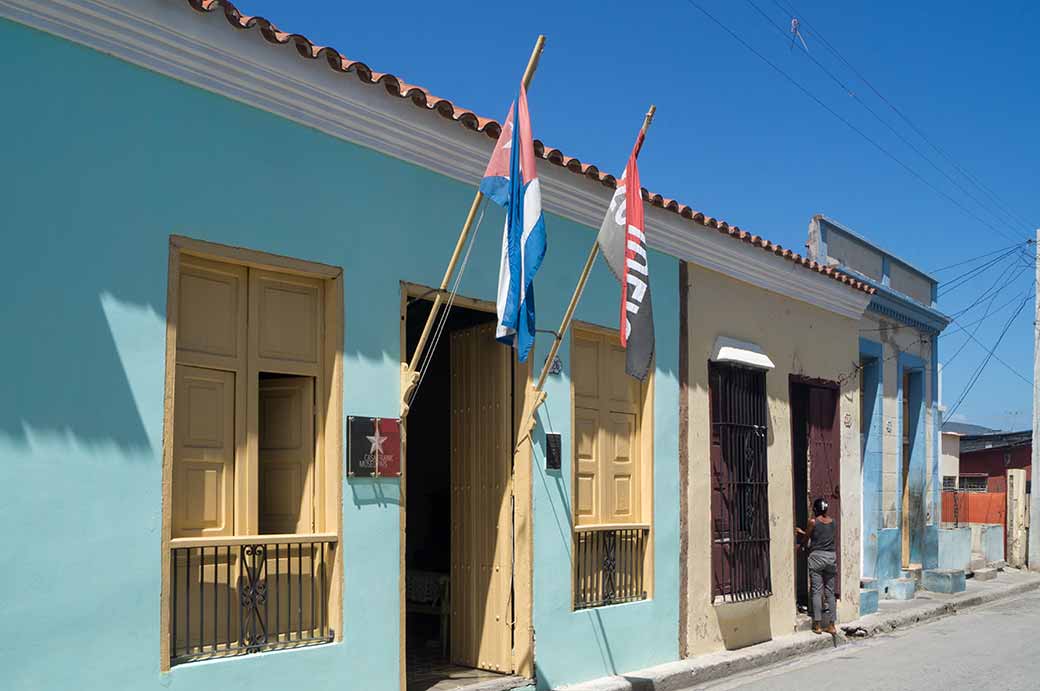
994, 647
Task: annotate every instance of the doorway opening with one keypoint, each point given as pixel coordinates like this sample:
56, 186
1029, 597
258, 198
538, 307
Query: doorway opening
800, 487
911, 521
816, 467
459, 536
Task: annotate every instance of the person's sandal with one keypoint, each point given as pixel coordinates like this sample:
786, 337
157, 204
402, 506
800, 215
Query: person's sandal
816, 627
831, 630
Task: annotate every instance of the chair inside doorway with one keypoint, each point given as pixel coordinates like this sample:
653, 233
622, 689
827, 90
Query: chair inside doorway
458, 544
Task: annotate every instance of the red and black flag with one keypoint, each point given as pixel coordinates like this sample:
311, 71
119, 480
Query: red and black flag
622, 241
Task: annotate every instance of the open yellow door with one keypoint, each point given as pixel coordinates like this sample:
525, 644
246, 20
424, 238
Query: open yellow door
481, 507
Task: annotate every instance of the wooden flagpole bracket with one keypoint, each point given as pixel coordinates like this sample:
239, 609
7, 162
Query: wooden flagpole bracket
409, 373
537, 394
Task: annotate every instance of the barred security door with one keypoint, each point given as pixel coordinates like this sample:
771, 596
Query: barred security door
481, 507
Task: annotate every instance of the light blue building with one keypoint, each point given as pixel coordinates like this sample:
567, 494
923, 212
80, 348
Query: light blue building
213, 230
900, 420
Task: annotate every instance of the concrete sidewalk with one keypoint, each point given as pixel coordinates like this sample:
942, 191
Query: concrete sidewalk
893, 614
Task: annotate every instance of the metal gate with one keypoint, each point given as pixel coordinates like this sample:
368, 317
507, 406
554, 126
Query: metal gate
739, 476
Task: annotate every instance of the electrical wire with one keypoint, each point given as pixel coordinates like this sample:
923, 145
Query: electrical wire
965, 278
989, 356
848, 90
974, 259
961, 327
985, 294
849, 124
995, 199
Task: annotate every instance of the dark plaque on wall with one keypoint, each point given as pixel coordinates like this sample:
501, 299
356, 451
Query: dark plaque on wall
373, 447
553, 448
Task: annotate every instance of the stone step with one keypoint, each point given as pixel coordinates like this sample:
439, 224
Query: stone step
913, 571
866, 583
943, 580
802, 622
868, 601
901, 589
986, 574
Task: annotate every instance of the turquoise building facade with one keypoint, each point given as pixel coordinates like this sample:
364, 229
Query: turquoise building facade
105, 160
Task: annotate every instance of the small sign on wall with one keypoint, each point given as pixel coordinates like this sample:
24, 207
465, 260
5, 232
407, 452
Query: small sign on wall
553, 451
373, 447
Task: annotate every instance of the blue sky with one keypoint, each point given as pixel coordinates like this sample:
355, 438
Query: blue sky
734, 139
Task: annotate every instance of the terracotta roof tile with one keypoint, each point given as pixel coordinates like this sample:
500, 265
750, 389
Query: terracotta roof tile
424, 99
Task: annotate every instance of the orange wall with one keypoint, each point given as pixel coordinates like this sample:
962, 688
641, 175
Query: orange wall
975, 507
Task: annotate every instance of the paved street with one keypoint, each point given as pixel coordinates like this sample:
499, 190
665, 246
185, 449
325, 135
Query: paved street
990, 647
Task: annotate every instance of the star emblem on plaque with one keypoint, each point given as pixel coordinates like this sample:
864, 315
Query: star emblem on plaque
373, 447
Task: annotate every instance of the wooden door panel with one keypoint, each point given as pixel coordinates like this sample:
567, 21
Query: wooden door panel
622, 481
825, 460
285, 322
481, 507
586, 435
211, 314
204, 452
286, 451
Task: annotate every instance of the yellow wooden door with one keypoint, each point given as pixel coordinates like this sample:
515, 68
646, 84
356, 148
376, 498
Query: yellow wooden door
481, 507
286, 450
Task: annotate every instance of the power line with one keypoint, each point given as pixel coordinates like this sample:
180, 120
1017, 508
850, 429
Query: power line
847, 123
845, 87
985, 294
974, 259
989, 355
965, 277
996, 200
998, 310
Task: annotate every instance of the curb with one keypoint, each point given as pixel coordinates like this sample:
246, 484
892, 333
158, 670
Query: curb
875, 624
690, 674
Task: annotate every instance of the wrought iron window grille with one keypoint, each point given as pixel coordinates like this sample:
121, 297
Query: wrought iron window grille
740, 484
236, 599
608, 566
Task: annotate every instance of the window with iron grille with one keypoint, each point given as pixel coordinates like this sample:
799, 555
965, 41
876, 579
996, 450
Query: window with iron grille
974, 483
949, 483
739, 481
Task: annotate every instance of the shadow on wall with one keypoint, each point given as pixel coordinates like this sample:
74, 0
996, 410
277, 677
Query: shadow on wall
79, 361
599, 635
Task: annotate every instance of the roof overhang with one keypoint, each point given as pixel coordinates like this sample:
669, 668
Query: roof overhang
734, 352
200, 49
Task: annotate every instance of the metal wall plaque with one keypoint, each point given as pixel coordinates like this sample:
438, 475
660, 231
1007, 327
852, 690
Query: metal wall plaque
553, 451
373, 447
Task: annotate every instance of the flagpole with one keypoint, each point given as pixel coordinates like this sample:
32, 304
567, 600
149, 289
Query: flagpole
527, 421
409, 375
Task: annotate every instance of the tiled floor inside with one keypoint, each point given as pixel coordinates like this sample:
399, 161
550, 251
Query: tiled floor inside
429, 669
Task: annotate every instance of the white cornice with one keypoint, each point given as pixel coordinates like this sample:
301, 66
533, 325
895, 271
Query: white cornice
167, 37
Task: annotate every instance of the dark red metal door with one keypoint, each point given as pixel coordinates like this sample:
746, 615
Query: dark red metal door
825, 460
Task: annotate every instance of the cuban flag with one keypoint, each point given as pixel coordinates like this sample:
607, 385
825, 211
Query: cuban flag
512, 182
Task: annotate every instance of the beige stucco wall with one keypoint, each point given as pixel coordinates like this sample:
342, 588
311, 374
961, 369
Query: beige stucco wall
909, 282
897, 338
853, 253
803, 340
951, 455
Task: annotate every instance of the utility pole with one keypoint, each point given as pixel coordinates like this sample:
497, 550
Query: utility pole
1034, 506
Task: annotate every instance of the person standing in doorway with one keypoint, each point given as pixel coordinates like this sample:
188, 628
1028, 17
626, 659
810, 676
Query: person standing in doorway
818, 539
